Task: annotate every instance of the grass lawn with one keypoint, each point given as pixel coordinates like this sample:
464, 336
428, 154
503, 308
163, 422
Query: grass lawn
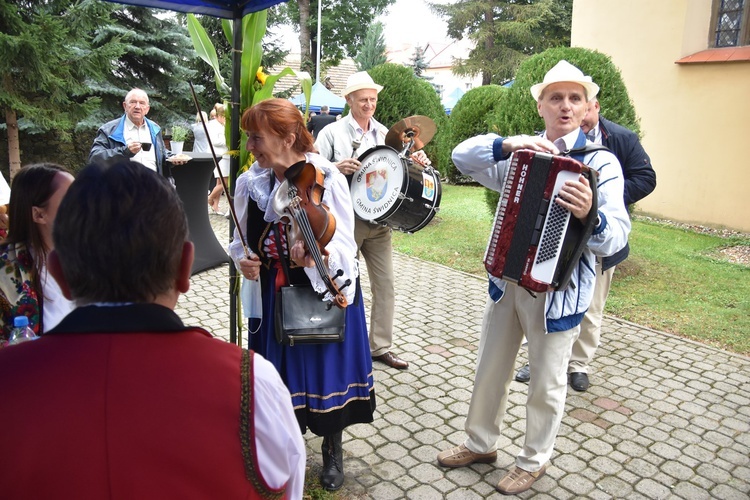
675, 279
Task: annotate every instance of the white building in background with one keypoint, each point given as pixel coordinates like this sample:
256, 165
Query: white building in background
439, 57
409, 24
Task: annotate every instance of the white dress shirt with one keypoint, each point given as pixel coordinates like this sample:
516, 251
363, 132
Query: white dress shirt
134, 133
54, 306
334, 142
278, 440
595, 134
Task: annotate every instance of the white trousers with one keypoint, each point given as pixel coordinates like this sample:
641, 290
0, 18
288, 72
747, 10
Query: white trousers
591, 326
503, 327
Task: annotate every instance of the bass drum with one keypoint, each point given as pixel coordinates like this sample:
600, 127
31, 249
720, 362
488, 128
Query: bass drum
394, 191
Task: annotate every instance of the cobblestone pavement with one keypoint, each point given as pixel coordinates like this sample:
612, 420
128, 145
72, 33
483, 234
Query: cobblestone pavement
664, 418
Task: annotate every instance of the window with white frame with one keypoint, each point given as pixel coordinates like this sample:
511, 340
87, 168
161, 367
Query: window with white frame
730, 26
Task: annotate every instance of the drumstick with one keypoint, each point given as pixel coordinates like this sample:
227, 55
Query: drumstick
356, 144
416, 160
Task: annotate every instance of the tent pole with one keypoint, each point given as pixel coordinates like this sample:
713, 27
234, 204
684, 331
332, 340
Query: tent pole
317, 43
234, 166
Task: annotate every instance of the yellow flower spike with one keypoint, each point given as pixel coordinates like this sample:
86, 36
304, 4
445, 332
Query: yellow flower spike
260, 76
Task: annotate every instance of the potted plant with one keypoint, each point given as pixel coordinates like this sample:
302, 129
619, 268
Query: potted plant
179, 136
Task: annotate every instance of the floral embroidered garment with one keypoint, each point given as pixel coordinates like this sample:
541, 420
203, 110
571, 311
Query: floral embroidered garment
17, 294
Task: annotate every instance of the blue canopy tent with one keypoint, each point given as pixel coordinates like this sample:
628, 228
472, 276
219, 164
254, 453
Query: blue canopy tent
226, 9
321, 96
451, 99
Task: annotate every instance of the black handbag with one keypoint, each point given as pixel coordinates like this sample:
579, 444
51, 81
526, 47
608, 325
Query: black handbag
302, 317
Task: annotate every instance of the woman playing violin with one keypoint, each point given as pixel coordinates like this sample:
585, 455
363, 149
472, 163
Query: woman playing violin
331, 384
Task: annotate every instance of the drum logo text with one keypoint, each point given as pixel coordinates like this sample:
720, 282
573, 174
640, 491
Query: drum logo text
376, 187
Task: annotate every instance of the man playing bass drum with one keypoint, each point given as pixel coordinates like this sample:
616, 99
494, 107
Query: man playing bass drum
342, 142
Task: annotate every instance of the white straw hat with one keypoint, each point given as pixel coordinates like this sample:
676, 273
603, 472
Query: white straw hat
565, 72
359, 81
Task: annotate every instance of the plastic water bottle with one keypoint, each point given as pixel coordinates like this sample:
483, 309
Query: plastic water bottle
21, 331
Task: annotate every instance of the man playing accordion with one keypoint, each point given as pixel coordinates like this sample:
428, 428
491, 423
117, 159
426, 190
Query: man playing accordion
550, 320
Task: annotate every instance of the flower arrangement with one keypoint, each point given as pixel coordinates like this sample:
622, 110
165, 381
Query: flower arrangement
255, 84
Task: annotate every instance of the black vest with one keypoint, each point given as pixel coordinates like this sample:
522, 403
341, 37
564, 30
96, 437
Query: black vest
258, 230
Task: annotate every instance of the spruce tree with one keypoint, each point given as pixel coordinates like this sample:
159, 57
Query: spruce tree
156, 58
373, 50
418, 64
48, 64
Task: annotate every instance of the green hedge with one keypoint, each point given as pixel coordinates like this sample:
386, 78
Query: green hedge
518, 113
469, 117
404, 95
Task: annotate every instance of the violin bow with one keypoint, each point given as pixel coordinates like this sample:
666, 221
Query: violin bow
218, 171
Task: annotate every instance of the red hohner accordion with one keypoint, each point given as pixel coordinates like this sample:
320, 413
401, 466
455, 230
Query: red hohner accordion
535, 243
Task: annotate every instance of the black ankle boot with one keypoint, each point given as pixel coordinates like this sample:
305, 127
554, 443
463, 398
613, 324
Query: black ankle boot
332, 477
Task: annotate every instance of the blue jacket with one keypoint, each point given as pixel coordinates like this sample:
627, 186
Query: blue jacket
109, 145
640, 178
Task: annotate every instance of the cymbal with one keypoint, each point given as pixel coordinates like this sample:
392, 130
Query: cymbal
418, 127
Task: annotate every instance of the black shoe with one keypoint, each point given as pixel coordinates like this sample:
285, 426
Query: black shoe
523, 374
332, 476
579, 381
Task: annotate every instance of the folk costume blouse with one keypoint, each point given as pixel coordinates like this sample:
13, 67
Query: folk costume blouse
18, 296
255, 185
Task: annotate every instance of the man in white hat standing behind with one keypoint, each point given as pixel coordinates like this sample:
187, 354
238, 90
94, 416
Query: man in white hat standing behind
342, 142
550, 321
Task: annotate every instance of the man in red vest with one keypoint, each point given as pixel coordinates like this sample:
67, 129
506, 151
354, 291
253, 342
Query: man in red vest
121, 400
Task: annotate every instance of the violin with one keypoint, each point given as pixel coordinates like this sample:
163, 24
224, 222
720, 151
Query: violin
298, 200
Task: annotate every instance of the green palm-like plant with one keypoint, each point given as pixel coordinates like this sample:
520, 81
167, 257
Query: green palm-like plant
253, 87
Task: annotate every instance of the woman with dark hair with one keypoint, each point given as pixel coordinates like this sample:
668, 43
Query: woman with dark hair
25, 287
331, 384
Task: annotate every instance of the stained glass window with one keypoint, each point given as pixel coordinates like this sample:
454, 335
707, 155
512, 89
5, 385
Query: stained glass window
729, 23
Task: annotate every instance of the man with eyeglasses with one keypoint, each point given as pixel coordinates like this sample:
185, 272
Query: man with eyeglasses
132, 137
